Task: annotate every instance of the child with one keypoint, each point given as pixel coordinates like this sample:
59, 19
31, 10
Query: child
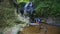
37, 20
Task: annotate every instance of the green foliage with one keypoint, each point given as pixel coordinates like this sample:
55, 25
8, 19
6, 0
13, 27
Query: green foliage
7, 15
45, 8
19, 1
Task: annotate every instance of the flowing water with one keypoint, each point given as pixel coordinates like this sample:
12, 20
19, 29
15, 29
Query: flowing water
18, 27
35, 30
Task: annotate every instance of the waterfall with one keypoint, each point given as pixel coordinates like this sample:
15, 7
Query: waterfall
16, 28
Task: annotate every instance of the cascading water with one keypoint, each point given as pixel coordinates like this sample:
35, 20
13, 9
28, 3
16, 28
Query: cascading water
19, 27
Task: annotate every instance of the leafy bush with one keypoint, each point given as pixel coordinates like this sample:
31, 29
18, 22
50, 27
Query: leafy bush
7, 15
47, 8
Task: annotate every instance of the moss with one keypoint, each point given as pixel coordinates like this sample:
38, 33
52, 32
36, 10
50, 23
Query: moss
7, 14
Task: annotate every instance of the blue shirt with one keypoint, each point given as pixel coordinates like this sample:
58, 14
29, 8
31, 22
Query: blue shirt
37, 20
